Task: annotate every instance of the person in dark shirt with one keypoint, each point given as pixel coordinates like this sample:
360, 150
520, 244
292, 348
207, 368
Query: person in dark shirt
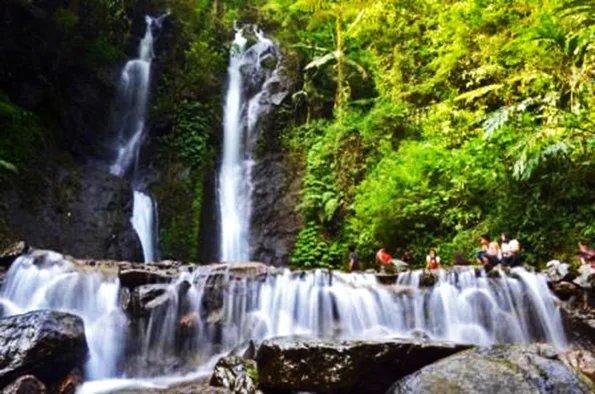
407, 257
354, 263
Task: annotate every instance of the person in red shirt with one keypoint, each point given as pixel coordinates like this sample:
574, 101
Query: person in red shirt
383, 258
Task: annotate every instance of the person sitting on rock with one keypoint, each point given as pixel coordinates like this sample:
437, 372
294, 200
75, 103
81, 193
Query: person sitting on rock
484, 242
354, 263
511, 250
586, 254
493, 256
407, 256
383, 258
432, 260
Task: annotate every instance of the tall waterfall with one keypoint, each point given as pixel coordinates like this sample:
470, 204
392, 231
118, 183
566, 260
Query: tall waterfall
130, 124
246, 79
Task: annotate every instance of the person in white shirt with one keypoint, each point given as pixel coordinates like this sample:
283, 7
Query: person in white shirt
511, 249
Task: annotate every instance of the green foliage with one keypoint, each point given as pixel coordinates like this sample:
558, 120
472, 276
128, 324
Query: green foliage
190, 135
475, 117
65, 18
312, 250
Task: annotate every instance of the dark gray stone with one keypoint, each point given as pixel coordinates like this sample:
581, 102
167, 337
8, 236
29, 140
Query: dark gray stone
275, 222
46, 344
500, 369
84, 212
289, 364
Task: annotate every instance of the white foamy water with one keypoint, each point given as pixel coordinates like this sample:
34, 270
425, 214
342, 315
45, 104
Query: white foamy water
226, 311
47, 281
246, 81
143, 221
461, 307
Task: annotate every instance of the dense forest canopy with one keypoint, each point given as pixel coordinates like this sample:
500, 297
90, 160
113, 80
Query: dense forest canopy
418, 123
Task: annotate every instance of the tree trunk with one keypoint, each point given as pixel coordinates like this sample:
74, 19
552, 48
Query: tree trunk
339, 98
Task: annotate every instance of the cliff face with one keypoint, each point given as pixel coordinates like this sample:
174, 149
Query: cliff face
277, 179
275, 221
59, 69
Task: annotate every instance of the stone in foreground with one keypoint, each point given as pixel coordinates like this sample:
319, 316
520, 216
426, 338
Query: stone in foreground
27, 384
46, 344
349, 366
235, 374
501, 369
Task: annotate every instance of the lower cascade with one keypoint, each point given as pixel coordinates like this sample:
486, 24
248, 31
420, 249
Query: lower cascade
144, 331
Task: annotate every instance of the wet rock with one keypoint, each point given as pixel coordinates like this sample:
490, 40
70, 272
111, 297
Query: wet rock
83, 211
12, 252
235, 374
343, 366
27, 384
582, 361
269, 61
140, 277
565, 290
387, 279
500, 369
46, 344
69, 384
275, 221
427, 279
145, 297
199, 386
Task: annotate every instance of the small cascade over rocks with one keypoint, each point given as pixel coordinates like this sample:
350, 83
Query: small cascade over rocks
46, 280
181, 328
130, 125
461, 307
251, 73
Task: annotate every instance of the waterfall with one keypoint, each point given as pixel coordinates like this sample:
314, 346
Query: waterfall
48, 281
226, 308
247, 78
461, 307
130, 126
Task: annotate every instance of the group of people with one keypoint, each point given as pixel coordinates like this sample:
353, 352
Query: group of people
384, 260
492, 253
506, 253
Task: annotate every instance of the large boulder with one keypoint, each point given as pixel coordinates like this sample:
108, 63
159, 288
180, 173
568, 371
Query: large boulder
46, 344
290, 364
500, 369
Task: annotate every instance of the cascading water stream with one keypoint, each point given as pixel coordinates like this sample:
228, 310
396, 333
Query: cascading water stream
226, 309
246, 80
130, 124
48, 281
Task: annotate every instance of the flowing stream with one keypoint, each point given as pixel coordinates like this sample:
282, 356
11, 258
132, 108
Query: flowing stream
247, 77
227, 309
130, 124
